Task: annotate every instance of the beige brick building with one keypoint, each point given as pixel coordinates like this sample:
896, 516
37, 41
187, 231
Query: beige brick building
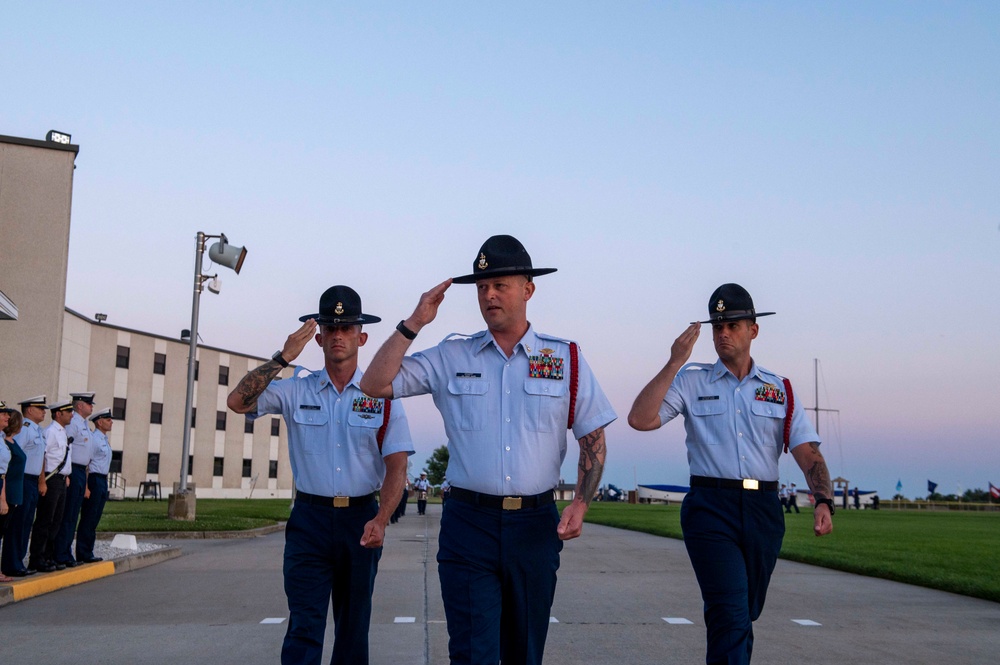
141, 375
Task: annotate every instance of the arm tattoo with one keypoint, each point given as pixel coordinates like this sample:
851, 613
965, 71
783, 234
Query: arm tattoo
818, 476
592, 452
256, 380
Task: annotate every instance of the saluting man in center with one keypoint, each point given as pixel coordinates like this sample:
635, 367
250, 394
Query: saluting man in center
506, 423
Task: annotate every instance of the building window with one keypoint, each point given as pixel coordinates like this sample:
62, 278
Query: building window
156, 413
220, 420
153, 463
275, 426
159, 363
116, 461
223, 375
122, 358
247, 468
272, 469
118, 410
248, 426
217, 466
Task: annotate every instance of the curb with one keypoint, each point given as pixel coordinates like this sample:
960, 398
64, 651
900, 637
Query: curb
190, 535
39, 584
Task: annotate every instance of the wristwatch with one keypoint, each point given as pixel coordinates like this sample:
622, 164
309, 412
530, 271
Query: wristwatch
405, 332
280, 359
829, 504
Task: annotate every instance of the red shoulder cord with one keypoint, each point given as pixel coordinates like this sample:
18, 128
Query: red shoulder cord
574, 363
380, 436
788, 412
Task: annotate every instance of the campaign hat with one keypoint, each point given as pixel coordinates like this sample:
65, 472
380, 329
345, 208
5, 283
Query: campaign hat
731, 302
38, 400
340, 306
501, 256
103, 413
83, 397
61, 406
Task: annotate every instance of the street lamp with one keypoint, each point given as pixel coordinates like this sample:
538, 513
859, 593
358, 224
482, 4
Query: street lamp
182, 502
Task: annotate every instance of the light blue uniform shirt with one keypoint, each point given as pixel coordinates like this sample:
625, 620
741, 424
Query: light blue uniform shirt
79, 450
332, 441
31, 438
506, 429
100, 453
735, 429
4, 457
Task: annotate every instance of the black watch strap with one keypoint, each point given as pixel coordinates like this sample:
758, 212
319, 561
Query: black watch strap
829, 504
406, 332
280, 359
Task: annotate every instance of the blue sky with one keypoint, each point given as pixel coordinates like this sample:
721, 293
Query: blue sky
838, 160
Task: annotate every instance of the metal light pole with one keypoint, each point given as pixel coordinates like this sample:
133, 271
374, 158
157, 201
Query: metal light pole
182, 501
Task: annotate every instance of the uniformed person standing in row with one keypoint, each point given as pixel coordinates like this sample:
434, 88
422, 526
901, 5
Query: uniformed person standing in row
31, 440
501, 533
79, 433
421, 486
97, 487
343, 446
52, 483
736, 419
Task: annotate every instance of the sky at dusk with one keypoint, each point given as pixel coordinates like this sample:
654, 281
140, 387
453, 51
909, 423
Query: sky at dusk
839, 160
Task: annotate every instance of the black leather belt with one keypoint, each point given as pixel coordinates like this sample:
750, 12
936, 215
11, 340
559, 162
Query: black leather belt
335, 501
82, 467
32, 476
501, 502
728, 484
99, 475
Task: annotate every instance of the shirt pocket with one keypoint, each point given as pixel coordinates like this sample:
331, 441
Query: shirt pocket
311, 429
709, 417
363, 432
472, 402
544, 407
768, 422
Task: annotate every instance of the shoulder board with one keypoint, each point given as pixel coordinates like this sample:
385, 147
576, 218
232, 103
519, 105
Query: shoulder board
764, 370
696, 366
459, 337
553, 338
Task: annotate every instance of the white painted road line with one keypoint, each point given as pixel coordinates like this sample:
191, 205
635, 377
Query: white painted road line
553, 620
405, 620
806, 622
274, 620
679, 621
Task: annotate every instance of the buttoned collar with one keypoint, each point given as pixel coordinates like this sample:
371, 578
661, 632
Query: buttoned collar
720, 370
528, 343
325, 381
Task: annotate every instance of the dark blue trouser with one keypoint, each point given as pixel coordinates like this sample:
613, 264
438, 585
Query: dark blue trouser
498, 579
733, 537
325, 561
71, 513
48, 517
10, 563
90, 516
28, 507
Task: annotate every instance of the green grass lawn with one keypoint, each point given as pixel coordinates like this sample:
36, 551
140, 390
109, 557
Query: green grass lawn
951, 551
211, 515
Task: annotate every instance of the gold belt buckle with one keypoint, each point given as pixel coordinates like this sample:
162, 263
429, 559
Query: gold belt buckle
750, 484
512, 503
341, 501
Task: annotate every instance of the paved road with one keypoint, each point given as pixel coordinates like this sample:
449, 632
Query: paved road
615, 590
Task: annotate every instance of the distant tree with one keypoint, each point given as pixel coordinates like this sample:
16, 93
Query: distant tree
899, 497
437, 465
976, 495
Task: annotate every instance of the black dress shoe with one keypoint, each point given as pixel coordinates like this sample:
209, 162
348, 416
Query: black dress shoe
22, 573
46, 567
72, 564
59, 566
93, 559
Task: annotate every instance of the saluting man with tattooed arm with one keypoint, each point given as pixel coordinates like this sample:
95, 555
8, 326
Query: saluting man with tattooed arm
738, 417
343, 446
507, 396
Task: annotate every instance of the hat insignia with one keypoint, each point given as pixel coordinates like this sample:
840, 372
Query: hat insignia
482, 265
720, 306
339, 309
